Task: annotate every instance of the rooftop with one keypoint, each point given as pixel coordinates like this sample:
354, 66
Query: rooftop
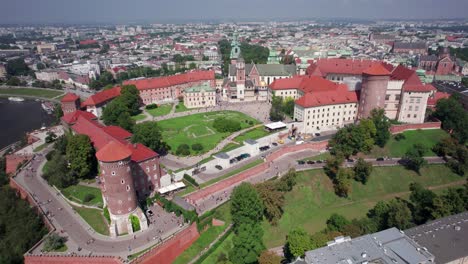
445, 237
70, 97
162, 82
113, 151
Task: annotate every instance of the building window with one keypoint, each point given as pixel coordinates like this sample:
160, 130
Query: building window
408, 116
397, 97
387, 97
128, 188
122, 182
113, 173
415, 116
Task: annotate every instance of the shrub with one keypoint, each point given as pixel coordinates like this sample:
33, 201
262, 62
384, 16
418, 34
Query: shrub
183, 149
135, 223
169, 206
222, 124
399, 137
50, 154
197, 147
191, 180
88, 197
54, 242
151, 106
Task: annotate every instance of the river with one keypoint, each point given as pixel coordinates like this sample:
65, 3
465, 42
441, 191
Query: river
17, 118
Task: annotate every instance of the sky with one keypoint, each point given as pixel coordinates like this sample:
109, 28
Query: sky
153, 11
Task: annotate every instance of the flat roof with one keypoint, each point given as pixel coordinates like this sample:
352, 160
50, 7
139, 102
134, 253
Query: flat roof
221, 155
275, 125
250, 141
446, 238
171, 187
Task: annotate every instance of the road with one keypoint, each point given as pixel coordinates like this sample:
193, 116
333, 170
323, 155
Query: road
79, 232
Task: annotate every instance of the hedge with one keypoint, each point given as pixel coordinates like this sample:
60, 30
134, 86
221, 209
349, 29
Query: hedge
106, 214
135, 223
191, 180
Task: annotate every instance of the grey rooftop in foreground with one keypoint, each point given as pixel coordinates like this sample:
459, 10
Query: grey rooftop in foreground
182, 203
446, 238
250, 141
390, 246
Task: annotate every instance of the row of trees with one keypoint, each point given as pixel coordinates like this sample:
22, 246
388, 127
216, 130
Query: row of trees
423, 205
280, 108
119, 111
453, 116
450, 147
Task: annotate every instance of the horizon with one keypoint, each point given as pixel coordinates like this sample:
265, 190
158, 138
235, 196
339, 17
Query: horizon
27, 12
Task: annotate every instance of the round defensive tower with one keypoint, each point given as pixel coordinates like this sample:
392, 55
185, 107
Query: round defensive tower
118, 189
374, 89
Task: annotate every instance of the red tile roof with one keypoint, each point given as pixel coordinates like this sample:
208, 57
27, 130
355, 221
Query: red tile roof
412, 83
421, 88
341, 95
342, 66
304, 83
288, 83
102, 97
376, 69
113, 151
70, 97
162, 82
432, 100
85, 123
71, 118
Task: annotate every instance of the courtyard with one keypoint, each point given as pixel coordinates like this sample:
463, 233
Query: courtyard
198, 128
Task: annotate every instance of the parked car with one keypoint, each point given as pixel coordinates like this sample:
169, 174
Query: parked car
300, 162
319, 161
218, 167
380, 159
310, 162
274, 144
350, 160
317, 134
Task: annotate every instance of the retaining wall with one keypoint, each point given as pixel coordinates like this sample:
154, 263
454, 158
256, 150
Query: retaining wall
395, 129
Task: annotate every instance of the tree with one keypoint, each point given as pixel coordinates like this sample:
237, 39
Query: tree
367, 129
273, 201
192, 66
414, 157
116, 113
222, 124
247, 244
453, 117
382, 125
342, 184
149, 134
445, 147
267, 257
183, 150
297, 243
352, 139
130, 97
246, 206
423, 201
81, 156
197, 147
332, 166
362, 170
276, 113
56, 171
17, 67
337, 222
54, 242
399, 215
288, 106
378, 215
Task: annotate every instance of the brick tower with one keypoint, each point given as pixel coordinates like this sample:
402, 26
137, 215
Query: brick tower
117, 188
374, 89
70, 103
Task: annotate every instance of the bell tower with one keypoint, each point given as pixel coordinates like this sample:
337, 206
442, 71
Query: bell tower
240, 74
235, 48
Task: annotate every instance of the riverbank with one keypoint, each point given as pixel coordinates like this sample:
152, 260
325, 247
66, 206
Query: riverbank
32, 93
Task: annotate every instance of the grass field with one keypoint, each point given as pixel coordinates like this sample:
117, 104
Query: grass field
321, 156
395, 148
161, 110
255, 133
78, 192
94, 218
32, 92
41, 147
181, 108
312, 200
198, 128
139, 117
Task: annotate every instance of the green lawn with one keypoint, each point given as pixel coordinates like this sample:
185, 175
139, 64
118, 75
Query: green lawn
224, 248
198, 128
181, 108
32, 92
161, 110
255, 133
139, 117
41, 147
312, 200
94, 218
78, 192
231, 146
395, 148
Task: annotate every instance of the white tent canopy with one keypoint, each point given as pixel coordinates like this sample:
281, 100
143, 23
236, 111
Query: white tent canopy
171, 187
275, 125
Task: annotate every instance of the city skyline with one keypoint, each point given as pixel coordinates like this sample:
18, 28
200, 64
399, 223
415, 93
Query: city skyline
146, 11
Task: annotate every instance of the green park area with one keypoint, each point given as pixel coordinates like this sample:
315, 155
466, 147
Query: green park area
94, 218
255, 133
31, 92
181, 108
198, 128
398, 148
84, 195
161, 110
313, 199
139, 117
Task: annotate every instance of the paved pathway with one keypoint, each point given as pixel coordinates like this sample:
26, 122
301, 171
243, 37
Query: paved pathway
79, 232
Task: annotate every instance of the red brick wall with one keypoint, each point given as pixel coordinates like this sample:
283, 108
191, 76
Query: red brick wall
171, 249
71, 259
394, 129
